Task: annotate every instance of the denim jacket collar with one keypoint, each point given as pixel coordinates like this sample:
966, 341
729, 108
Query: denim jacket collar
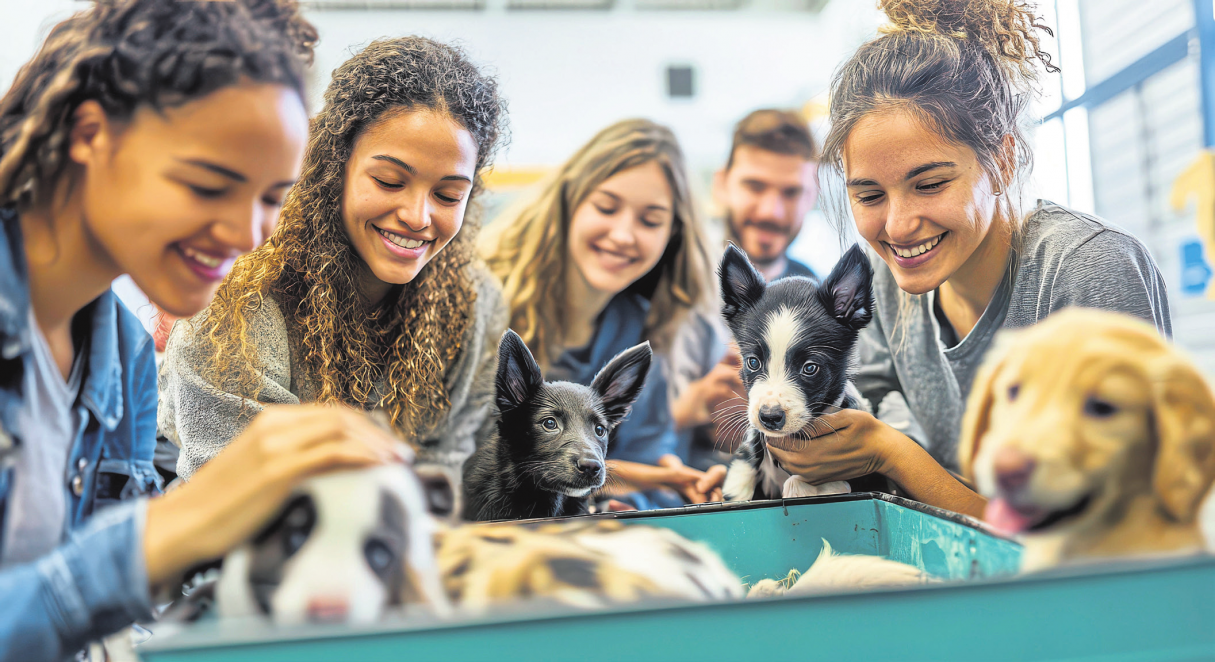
99, 392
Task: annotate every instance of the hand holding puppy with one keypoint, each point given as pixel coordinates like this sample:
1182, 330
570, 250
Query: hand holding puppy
234, 494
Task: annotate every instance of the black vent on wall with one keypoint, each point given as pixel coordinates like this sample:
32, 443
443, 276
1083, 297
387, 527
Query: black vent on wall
681, 82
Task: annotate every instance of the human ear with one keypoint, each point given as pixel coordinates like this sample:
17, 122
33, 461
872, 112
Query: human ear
91, 133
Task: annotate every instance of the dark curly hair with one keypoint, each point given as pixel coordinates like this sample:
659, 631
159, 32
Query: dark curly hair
127, 53
965, 68
395, 355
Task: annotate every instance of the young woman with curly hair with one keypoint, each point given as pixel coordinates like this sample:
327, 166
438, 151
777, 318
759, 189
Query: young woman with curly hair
367, 293
154, 138
610, 254
926, 131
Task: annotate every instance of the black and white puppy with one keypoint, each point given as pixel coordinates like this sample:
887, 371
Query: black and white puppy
797, 339
347, 547
550, 449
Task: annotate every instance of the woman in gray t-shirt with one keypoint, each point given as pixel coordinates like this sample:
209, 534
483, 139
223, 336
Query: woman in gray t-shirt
925, 128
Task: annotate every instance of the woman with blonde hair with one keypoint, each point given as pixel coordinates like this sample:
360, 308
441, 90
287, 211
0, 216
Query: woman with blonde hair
368, 293
926, 129
608, 255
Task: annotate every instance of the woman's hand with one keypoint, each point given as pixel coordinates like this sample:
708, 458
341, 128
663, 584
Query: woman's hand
847, 444
696, 486
852, 443
233, 495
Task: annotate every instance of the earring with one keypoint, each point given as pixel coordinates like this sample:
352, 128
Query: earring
998, 192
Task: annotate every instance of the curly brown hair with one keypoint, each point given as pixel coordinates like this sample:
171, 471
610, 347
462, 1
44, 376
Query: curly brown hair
127, 53
394, 355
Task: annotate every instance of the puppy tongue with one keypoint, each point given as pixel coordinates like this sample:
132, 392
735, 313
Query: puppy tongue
1001, 515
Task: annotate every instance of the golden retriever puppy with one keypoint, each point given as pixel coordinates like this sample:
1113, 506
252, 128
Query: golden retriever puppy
1093, 437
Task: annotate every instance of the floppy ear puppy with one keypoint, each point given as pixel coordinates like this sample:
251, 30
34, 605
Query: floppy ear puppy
346, 547
1093, 437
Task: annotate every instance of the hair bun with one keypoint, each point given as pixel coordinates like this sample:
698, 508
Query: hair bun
1005, 28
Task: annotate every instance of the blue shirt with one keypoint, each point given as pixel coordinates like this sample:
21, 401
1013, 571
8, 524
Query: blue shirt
95, 582
648, 432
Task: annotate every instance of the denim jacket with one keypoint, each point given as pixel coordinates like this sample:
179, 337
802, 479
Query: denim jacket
95, 582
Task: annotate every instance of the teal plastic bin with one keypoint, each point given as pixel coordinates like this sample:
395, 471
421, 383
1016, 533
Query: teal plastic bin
1155, 611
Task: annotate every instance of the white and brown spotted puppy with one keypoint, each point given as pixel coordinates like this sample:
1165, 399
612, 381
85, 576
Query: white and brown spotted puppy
347, 547
1093, 437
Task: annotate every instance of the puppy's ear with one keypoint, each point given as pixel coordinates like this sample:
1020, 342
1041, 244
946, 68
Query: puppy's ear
442, 497
741, 285
1184, 411
518, 373
978, 406
848, 290
620, 381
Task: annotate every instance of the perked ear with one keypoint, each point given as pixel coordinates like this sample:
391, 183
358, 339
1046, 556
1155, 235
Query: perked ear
977, 418
620, 381
519, 375
1184, 410
741, 285
848, 290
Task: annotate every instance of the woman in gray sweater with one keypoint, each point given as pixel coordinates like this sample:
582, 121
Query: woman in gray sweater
925, 128
368, 293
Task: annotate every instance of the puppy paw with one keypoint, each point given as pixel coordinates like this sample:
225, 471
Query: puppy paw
795, 486
766, 588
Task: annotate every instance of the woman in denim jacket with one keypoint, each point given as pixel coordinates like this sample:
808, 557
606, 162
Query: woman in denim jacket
155, 138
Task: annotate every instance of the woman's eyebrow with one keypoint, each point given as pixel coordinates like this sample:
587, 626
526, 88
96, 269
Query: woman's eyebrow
921, 169
394, 160
217, 169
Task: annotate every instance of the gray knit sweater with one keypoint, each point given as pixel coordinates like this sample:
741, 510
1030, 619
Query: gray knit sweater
1065, 259
201, 419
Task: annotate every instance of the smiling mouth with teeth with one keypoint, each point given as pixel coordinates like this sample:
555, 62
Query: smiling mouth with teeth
209, 261
403, 242
916, 251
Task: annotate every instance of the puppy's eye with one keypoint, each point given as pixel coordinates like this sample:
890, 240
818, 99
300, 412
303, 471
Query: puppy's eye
379, 556
1098, 408
752, 363
600, 430
810, 369
1014, 391
549, 423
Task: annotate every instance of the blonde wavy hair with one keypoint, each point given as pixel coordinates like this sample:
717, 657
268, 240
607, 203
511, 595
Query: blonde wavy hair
311, 269
528, 252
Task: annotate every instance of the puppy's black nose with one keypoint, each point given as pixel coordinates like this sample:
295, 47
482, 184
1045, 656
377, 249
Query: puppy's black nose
1013, 469
772, 418
589, 466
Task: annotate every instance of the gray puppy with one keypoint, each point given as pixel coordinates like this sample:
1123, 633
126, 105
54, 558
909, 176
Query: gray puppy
549, 452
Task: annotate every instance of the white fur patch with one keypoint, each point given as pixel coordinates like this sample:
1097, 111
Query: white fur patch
740, 482
845, 572
796, 486
777, 389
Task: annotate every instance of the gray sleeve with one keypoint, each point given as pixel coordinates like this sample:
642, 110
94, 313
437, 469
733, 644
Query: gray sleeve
1113, 271
471, 383
878, 382
202, 418
698, 345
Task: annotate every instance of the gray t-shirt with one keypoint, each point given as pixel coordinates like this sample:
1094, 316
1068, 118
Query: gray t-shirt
47, 423
1065, 259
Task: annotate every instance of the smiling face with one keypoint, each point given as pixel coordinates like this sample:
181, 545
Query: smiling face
923, 205
407, 186
618, 234
767, 196
172, 197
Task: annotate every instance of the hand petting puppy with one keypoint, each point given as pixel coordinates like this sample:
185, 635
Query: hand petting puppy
230, 497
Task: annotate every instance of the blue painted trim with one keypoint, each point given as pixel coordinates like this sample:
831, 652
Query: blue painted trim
1170, 53
1204, 14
